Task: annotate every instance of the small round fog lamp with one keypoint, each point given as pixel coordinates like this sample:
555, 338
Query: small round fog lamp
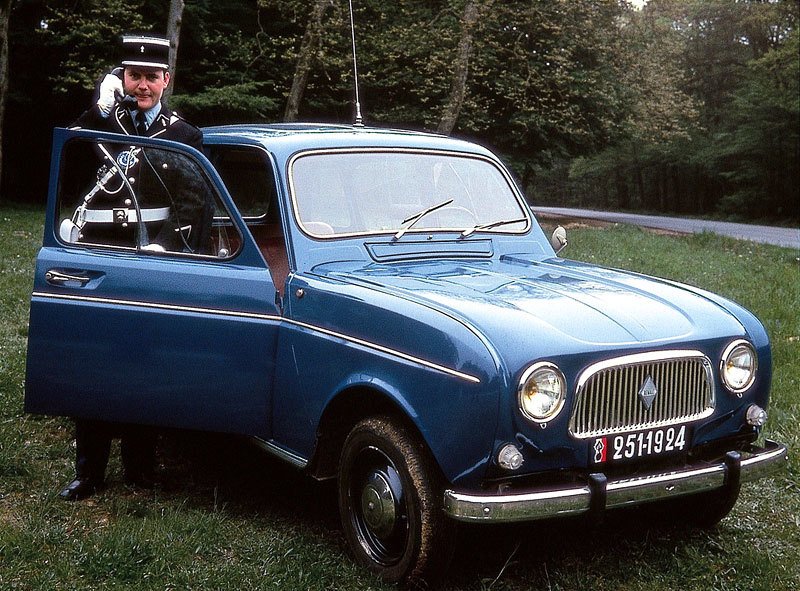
756, 416
509, 457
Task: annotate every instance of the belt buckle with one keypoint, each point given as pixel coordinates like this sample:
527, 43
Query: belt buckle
120, 215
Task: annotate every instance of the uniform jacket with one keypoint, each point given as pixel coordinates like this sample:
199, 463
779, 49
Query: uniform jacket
160, 179
168, 125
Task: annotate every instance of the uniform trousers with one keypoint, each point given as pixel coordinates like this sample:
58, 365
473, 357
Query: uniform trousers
93, 446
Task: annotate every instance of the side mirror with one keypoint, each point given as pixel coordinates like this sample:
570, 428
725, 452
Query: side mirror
559, 239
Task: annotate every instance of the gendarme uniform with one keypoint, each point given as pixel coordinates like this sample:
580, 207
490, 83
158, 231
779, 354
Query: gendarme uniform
174, 205
172, 198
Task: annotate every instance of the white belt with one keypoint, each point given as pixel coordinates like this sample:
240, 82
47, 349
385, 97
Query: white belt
123, 215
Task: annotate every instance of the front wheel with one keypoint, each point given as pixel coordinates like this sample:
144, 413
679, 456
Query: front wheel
390, 503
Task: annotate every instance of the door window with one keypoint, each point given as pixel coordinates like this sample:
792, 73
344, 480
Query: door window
123, 195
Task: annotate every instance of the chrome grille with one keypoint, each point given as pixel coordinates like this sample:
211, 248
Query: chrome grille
608, 396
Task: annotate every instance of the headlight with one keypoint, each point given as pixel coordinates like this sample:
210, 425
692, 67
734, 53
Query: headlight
541, 392
739, 363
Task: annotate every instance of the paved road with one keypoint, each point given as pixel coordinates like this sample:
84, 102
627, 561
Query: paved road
787, 237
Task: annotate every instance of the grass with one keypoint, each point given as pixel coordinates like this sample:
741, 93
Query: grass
227, 517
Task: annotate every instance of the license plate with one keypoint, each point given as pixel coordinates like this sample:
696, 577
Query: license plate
626, 447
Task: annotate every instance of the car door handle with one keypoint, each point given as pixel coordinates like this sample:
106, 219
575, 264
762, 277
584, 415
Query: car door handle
60, 278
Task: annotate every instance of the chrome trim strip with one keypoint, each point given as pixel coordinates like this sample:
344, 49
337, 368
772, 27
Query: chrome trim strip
638, 358
545, 503
393, 352
108, 216
269, 318
156, 306
273, 449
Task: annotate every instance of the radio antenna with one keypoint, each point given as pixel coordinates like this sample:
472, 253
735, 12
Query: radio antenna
359, 121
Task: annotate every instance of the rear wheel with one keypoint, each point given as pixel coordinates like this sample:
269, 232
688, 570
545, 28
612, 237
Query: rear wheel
390, 500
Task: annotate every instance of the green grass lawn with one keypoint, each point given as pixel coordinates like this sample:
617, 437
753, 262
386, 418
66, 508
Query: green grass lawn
227, 517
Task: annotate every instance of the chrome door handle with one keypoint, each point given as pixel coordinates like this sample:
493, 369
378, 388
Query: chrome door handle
60, 278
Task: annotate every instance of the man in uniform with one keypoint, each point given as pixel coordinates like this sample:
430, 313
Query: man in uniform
159, 190
156, 184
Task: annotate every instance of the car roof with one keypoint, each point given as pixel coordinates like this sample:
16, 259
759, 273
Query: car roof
289, 138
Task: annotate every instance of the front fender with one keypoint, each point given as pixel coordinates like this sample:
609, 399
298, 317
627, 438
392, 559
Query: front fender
339, 337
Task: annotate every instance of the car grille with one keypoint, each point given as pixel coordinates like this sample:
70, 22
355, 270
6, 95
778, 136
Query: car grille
613, 396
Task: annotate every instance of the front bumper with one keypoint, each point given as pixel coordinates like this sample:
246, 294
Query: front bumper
599, 493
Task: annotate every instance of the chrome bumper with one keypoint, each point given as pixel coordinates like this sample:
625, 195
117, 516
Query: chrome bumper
599, 493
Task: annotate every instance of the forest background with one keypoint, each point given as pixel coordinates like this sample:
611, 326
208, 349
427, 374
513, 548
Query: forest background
685, 107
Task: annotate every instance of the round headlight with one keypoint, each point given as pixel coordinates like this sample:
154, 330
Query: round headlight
739, 364
541, 392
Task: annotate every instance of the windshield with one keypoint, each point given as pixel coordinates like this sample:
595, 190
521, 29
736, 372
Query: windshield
394, 192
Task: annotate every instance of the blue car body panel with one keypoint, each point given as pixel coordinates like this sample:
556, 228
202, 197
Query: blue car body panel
441, 327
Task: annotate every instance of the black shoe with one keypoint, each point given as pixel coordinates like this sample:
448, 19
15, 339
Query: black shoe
78, 489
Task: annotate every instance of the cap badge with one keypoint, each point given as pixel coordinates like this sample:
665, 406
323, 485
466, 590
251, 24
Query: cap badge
141, 49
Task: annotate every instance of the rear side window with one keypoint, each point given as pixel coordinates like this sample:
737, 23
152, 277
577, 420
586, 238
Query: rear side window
247, 174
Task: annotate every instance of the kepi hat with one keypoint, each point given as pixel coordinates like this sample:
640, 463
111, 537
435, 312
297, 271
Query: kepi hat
146, 51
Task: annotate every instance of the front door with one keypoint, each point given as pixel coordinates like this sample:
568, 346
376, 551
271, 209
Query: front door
127, 327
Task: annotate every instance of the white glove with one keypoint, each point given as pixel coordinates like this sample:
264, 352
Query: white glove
110, 88
153, 247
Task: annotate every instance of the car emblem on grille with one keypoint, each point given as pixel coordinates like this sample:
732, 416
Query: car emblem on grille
647, 393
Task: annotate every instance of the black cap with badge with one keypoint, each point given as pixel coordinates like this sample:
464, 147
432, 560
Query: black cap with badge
146, 51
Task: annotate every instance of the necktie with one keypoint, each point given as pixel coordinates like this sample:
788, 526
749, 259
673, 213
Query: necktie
141, 124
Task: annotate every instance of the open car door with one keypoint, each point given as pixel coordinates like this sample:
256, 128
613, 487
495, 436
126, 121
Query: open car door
122, 328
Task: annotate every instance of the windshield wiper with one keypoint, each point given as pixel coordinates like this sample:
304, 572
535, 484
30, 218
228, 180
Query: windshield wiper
490, 225
410, 221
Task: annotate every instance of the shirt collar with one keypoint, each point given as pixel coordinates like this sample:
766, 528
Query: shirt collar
149, 115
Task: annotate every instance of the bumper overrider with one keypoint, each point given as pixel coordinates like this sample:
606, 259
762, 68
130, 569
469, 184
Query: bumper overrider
600, 493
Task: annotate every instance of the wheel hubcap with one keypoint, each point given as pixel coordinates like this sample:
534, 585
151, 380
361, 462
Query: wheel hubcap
379, 514
379, 505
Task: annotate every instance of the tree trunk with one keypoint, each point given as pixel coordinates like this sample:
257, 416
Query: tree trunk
173, 34
473, 11
308, 49
5, 11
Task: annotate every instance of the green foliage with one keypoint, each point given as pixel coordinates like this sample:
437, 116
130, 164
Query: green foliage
87, 40
237, 102
759, 151
547, 82
685, 106
713, 118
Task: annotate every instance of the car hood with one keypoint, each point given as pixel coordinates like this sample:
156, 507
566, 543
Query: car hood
558, 299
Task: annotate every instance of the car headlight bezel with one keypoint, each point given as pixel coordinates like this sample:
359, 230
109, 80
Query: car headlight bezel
738, 374
545, 380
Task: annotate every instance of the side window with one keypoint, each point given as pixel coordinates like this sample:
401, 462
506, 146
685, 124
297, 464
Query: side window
123, 195
248, 176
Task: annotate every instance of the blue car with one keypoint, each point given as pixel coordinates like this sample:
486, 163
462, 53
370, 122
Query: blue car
381, 308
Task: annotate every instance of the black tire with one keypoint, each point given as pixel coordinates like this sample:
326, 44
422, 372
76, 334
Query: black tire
390, 501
